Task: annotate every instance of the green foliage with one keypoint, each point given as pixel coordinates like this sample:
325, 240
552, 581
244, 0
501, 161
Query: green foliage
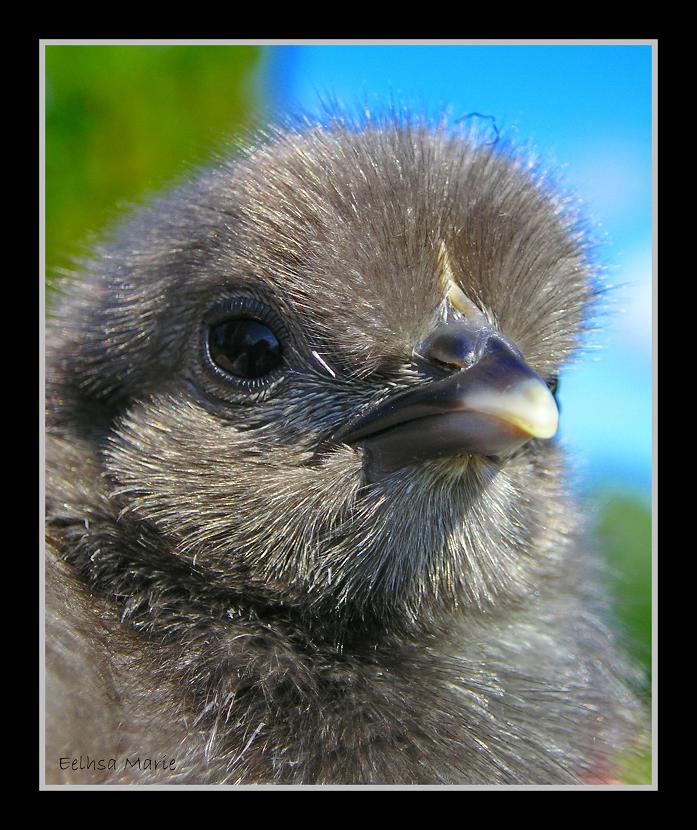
121, 120
636, 769
624, 529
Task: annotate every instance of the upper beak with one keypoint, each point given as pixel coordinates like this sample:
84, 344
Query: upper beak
490, 403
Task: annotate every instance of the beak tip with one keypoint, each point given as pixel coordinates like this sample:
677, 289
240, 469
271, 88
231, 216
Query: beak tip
539, 414
527, 405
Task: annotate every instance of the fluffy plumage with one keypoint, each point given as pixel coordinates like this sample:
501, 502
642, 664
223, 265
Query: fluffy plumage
227, 590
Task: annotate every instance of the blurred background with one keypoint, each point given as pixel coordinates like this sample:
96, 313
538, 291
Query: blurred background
122, 121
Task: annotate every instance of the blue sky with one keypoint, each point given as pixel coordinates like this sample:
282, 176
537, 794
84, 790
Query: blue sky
586, 110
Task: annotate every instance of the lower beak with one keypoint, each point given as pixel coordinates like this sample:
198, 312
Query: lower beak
491, 408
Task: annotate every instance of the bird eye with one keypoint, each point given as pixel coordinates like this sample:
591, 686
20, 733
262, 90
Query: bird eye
244, 347
553, 384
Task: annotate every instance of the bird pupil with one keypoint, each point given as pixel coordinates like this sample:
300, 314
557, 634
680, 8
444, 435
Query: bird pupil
245, 348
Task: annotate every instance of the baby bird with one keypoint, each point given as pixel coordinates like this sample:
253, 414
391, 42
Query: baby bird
306, 519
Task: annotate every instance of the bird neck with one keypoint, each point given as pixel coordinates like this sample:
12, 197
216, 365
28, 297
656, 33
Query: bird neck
128, 562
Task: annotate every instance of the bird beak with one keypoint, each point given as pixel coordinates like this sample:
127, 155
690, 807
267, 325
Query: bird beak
489, 403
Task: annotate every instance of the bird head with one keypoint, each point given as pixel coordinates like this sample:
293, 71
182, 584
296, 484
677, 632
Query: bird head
322, 371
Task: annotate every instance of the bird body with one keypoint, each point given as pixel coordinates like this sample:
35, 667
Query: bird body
304, 520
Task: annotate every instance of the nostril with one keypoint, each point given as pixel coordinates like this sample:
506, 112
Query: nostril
450, 349
451, 344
